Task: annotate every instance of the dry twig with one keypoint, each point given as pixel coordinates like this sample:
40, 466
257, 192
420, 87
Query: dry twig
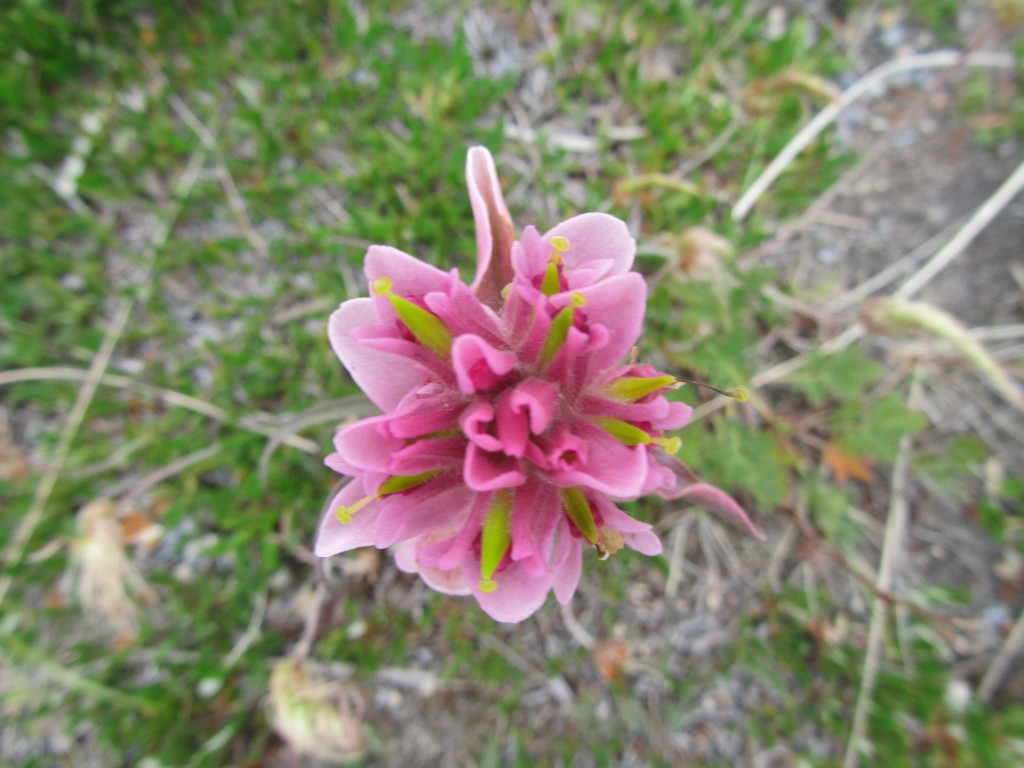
1000, 665
868, 83
251, 423
895, 532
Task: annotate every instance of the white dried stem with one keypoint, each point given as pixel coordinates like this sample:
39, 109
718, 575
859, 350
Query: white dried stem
981, 218
579, 633
1000, 665
677, 557
881, 279
867, 84
165, 473
15, 550
251, 423
895, 533
234, 198
251, 633
978, 221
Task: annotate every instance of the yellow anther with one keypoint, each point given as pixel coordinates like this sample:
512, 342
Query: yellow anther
741, 394
487, 585
609, 541
344, 514
506, 291
381, 286
670, 444
560, 244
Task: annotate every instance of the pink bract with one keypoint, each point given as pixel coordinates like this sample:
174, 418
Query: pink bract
511, 425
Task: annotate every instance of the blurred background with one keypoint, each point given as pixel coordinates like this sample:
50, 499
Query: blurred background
188, 191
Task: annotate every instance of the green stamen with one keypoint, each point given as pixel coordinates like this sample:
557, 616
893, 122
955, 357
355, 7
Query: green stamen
552, 283
623, 431
394, 484
560, 326
424, 325
400, 483
495, 540
578, 509
632, 388
628, 434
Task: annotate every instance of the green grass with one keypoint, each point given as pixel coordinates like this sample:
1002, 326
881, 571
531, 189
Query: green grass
337, 129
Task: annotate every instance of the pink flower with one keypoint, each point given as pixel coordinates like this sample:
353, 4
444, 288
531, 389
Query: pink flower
510, 424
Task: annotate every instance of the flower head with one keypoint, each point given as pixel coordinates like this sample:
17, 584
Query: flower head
510, 425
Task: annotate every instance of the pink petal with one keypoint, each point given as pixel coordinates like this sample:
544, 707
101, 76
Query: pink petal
339, 465
565, 452
333, 536
638, 535
538, 400
478, 365
407, 515
717, 500
615, 518
451, 582
527, 321
572, 363
361, 445
408, 275
383, 377
678, 416
421, 415
477, 423
568, 575
611, 467
536, 510
530, 255
427, 455
644, 542
463, 313
706, 495
617, 303
448, 552
448, 582
517, 597
582, 276
494, 233
594, 237
656, 409
486, 471
513, 426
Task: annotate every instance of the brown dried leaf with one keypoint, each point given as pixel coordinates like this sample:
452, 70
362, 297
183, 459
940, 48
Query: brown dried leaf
844, 465
610, 658
14, 462
137, 528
